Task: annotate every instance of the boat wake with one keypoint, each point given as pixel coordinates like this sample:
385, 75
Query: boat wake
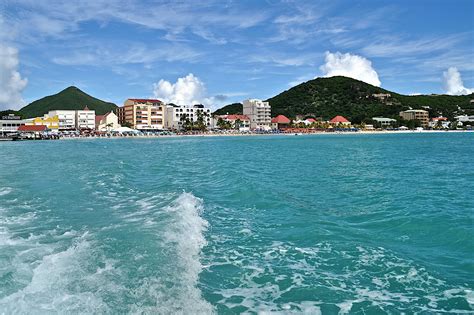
175, 290
65, 271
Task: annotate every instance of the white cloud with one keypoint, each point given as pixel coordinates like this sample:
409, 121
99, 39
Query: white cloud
349, 65
453, 83
187, 90
138, 53
392, 46
190, 90
11, 82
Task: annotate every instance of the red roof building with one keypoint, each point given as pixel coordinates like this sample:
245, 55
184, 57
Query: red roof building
340, 120
439, 119
98, 118
281, 119
280, 122
311, 120
144, 100
33, 128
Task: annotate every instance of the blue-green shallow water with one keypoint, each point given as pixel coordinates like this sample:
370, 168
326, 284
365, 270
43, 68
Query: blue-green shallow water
365, 224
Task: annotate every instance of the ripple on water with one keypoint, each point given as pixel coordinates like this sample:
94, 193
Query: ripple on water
286, 278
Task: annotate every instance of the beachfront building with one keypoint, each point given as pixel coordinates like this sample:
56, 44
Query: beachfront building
142, 114
309, 121
67, 118
85, 119
259, 113
34, 131
240, 122
340, 121
106, 122
50, 122
10, 123
465, 118
306, 122
439, 122
416, 114
280, 122
177, 114
384, 122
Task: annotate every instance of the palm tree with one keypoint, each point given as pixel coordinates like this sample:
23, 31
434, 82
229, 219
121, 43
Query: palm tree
439, 124
186, 123
237, 124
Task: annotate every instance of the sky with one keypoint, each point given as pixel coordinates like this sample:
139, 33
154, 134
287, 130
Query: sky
217, 52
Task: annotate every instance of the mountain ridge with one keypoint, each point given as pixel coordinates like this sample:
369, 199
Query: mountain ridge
357, 100
71, 98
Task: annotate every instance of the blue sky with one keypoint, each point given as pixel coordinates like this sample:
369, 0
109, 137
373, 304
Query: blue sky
218, 52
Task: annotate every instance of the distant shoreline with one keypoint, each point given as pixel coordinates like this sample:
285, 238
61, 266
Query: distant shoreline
273, 134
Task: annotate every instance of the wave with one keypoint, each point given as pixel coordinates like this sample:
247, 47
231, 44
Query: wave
5, 191
60, 282
176, 290
278, 279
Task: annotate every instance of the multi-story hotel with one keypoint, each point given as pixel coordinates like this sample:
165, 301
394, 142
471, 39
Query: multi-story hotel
259, 113
417, 114
73, 119
67, 118
85, 119
175, 115
142, 114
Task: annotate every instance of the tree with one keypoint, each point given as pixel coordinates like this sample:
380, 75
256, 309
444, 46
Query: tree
439, 124
200, 122
223, 124
237, 124
186, 123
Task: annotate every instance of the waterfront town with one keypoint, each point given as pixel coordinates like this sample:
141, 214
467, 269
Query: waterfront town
152, 117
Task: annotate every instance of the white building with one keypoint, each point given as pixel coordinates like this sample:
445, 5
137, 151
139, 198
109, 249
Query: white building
74, 119
384, 121
67, 118
439, 122
10, 123
240, 122
85, 119
465, 118
174, 113
106, 122
259, 113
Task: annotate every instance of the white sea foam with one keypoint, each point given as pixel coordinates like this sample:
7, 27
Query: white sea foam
176, 290
375, 279
58, 283
5, 191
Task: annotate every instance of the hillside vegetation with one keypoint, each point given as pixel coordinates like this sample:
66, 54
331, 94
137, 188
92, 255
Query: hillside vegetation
328, 97
356, 100
70, 98
231, 109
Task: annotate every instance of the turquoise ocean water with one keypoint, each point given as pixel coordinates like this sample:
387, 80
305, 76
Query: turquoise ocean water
362, 224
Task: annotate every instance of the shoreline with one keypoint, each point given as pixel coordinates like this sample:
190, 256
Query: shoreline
274, 134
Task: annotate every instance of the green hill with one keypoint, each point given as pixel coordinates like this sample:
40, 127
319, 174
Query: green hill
70, 98
231, 109
328, 97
